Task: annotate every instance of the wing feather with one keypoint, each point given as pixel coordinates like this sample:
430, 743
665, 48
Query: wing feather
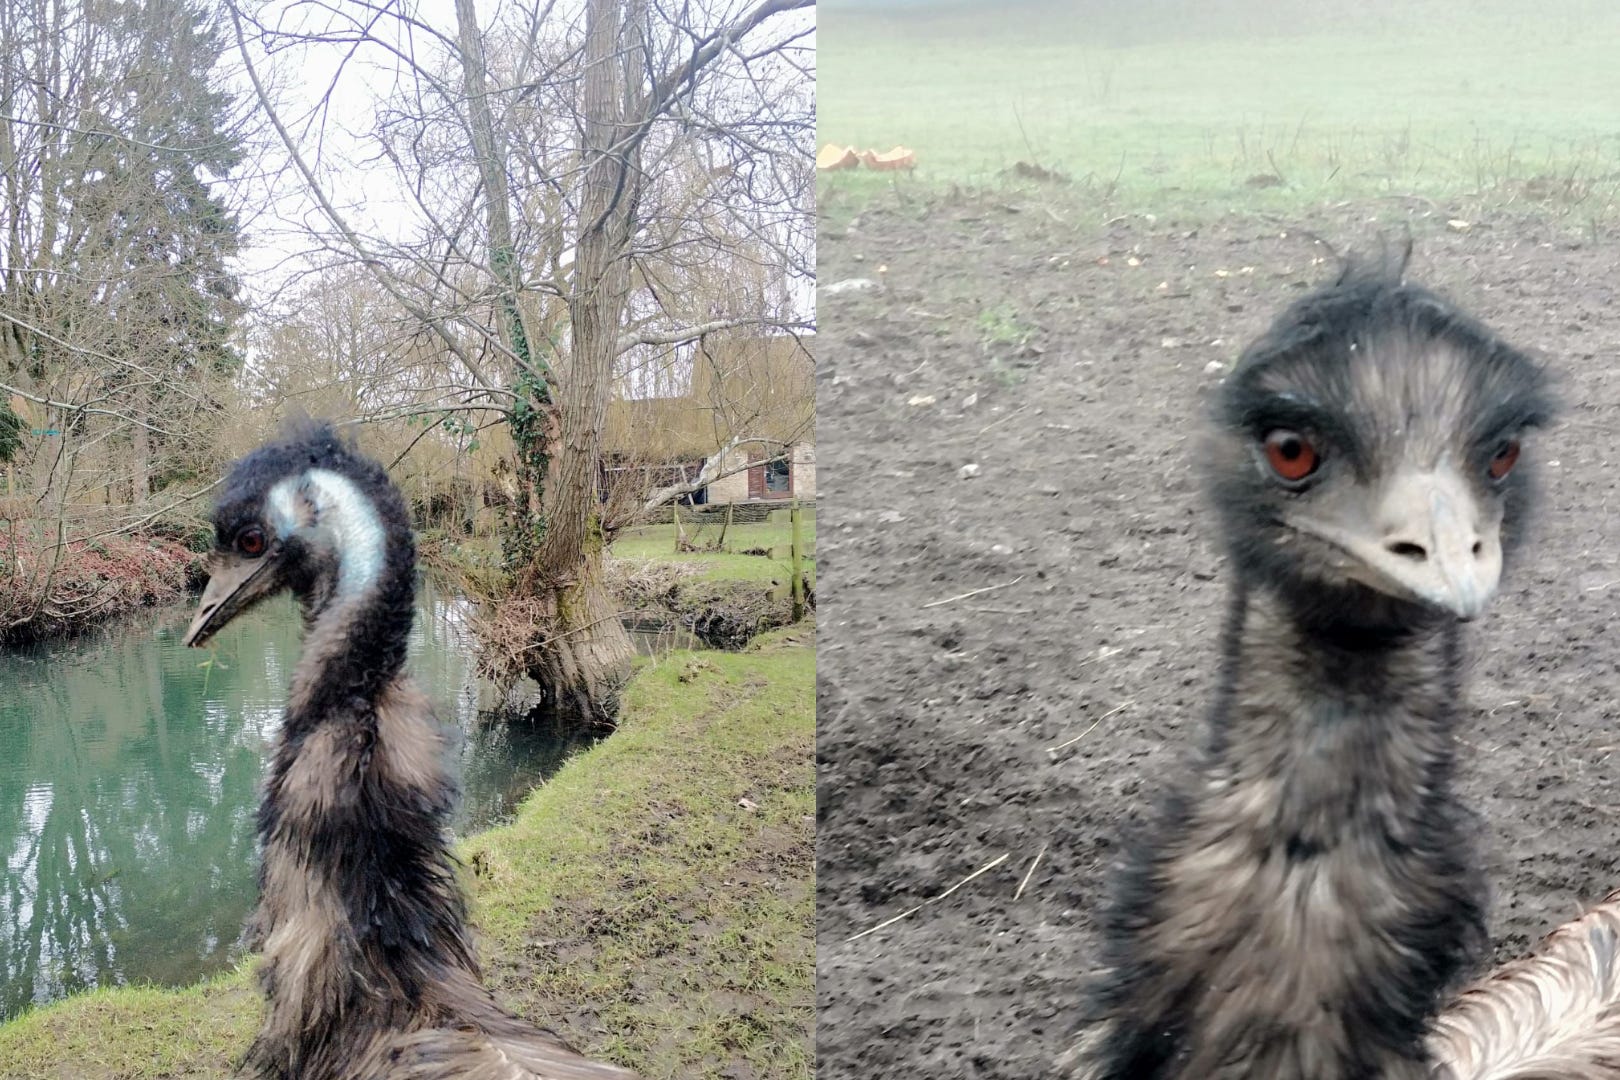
1553, 1015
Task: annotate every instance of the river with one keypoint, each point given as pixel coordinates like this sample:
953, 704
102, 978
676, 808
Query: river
129, 780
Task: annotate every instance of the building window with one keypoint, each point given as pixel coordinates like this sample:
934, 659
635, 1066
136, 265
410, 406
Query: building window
771, 479
779, 477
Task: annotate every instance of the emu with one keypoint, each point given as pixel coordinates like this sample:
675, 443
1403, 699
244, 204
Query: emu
368, 966
1307, 895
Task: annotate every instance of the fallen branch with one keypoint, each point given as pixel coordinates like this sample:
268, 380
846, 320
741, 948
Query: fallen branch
1117, 708
974, 592
986, 868
1033, 863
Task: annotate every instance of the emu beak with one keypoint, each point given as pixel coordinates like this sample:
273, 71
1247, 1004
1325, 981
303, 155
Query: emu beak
1427, 538
233, 585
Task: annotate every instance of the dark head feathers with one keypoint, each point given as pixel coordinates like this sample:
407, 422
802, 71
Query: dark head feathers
1371, 304
302, 443
1396, 391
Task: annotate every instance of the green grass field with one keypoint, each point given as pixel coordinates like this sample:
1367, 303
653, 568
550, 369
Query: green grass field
657, 543
653, 900
1517, 103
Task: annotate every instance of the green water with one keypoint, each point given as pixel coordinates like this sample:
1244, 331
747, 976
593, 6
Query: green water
129, 772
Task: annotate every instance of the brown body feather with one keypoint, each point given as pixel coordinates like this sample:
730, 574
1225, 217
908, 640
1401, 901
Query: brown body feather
345, 1002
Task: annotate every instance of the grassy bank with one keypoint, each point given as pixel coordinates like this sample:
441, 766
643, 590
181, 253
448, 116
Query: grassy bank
1269, 108
726, 595
653, 901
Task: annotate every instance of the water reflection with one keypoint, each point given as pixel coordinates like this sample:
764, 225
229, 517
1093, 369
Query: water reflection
129, 771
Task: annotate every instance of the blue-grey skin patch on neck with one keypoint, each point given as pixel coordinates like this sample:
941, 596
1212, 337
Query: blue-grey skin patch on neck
337, 505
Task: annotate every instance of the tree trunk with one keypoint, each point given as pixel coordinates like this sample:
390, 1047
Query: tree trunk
596, 651
581, 653
140, 481
583, 661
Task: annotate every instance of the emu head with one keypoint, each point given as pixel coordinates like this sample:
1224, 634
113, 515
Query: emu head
1369, 462
306, 513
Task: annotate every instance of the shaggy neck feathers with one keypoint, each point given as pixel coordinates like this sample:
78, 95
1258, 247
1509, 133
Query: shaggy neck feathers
1306, 893
361, 919
368, 968
359, 599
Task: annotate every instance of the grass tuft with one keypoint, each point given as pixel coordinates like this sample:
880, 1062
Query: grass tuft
657, 543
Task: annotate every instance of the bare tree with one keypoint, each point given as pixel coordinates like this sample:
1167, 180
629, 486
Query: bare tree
569, 177
117, 306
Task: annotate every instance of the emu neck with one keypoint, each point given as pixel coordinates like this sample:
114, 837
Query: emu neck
358, 626
1324, 739
362, 923
1308, 894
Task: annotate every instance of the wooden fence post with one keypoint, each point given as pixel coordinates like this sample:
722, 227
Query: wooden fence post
720, 544
798, 564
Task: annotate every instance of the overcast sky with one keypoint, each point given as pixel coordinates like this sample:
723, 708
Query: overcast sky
328, 97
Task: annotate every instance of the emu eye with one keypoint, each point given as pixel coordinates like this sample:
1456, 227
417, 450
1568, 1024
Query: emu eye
1502, 462
250, 541
1291, 455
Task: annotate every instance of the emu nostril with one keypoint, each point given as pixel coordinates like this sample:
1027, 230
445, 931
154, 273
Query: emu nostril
1479, 547
1407, 550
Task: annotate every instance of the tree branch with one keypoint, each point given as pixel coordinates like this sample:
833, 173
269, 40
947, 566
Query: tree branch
371, 262
707, 475
681, 335
90, 410
716, 43
710, 472
149, 518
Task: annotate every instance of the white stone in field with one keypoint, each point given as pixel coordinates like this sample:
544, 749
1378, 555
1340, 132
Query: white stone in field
968, 471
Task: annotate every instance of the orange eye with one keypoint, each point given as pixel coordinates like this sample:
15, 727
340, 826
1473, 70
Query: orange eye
1505, 458
250, 541
1290, 455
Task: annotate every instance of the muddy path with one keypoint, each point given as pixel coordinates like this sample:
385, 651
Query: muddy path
1015, 405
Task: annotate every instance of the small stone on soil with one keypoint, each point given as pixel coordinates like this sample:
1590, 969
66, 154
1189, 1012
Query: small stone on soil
968, 471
